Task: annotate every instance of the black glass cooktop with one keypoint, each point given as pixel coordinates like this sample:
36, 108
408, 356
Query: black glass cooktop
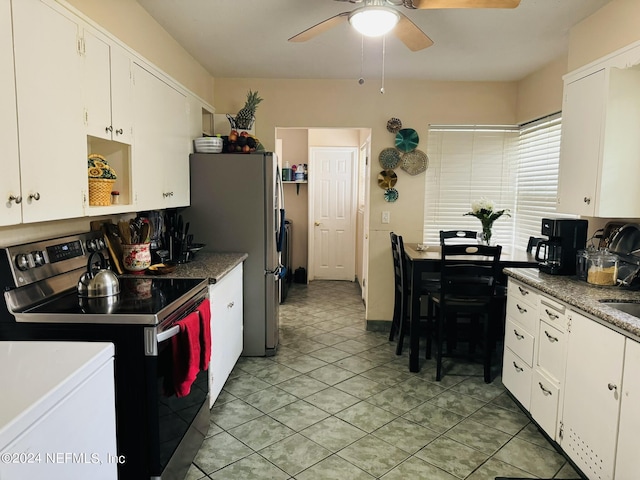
141, 300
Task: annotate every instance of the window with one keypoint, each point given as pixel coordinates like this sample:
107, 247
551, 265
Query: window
514, 166
537, 176
465, 164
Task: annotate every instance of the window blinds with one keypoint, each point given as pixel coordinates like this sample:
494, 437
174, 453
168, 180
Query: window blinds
514, 166
465, 164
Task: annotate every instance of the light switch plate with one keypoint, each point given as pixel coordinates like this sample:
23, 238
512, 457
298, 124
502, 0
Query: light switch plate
386, 217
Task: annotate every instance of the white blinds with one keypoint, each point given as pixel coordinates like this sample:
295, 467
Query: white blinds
465, 164
515, 167
537, 176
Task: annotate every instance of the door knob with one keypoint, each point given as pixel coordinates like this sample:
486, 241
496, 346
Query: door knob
317, 224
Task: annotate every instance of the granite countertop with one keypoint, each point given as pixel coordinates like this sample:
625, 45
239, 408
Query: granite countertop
585, 297
209, 265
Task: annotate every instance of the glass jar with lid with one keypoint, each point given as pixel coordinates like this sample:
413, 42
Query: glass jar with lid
602, 268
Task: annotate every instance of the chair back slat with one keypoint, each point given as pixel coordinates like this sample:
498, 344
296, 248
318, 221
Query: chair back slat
462, 274
457, 235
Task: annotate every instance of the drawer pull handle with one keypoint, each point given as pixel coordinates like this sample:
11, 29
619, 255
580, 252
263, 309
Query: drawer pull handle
521, 309
544, 390
518, 335
518, 368
523, 291
551, 338
612, 387
551, 315
230, 305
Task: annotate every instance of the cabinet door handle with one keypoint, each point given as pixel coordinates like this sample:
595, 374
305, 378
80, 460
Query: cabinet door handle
587, 200
521, 309
544, 390
109, 129
550, 337
34, 196
230, 305
612, 386
523, 292
119, 131
167, 194
14, 198
551, 315
517, 367
517, 334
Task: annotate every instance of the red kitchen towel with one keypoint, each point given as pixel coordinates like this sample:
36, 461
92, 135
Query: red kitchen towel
186, 354
204, 309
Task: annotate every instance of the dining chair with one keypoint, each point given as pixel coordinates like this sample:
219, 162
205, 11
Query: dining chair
468, 282
402, 295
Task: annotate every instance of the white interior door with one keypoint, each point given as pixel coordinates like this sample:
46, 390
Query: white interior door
332, 213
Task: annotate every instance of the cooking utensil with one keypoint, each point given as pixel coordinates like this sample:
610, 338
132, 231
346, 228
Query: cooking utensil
125, 231
100, 282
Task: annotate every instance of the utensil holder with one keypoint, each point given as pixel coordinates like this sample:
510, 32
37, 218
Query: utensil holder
136, 257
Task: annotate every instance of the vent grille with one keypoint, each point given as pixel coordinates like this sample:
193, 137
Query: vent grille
584, 456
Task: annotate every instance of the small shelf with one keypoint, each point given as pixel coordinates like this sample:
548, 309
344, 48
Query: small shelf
297, 184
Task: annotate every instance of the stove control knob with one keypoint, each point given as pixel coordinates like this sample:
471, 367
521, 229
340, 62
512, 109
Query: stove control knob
22, 261
91, 246
38, 258
101, 244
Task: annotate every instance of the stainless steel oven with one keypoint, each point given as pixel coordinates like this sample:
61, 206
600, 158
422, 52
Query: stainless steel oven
158, 433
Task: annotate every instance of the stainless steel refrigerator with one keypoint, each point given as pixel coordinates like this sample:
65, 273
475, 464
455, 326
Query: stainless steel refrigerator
237, 205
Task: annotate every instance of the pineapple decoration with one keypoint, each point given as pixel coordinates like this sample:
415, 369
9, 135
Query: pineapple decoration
246, 116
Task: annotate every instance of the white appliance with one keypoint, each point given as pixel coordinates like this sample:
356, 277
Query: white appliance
58, 411
237, 205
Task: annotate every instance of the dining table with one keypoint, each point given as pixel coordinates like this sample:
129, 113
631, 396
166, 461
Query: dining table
423, 259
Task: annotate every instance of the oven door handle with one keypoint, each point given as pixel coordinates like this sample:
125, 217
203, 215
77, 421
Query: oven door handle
167, 334
152, 338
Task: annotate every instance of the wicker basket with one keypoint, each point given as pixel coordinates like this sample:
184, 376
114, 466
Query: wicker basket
100, 191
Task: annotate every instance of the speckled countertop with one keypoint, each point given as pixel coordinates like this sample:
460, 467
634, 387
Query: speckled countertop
213, 266
584, 297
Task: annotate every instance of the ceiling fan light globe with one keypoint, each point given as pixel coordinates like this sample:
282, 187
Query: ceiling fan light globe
374, 21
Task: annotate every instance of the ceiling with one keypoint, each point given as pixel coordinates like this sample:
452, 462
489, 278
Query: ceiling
248, 39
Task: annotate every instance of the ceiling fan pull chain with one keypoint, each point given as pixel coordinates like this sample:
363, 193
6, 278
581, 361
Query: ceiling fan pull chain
361, 79
384, 45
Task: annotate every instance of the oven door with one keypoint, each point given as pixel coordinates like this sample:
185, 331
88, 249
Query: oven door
177, 426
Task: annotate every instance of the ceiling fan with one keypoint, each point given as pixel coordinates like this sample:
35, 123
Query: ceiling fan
378, 17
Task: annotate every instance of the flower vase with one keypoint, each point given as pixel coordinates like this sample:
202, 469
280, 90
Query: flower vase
484, 238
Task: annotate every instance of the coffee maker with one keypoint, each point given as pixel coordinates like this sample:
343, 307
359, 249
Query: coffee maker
558, 254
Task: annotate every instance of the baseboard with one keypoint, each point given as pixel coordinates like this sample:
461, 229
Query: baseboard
378, 326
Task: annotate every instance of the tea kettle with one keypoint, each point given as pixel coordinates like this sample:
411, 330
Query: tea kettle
100, 282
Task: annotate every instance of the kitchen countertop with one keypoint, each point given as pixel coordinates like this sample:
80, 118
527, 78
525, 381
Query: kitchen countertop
209, 265
584, 297
36, 376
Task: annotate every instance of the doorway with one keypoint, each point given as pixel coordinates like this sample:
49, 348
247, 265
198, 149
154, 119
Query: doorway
332, 213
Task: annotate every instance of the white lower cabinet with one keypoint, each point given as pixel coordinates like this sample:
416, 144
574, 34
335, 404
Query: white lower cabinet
227, 324
627, 453
545, 394
519, 341
591, 404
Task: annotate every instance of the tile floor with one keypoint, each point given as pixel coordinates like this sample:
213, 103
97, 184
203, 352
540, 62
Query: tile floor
337, 403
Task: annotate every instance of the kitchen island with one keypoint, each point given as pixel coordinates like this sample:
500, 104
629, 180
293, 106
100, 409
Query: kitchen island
572, 362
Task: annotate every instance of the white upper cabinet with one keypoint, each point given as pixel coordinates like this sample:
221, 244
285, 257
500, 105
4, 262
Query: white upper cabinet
52, 143
600, 149
161, 143
10, 192
107, 89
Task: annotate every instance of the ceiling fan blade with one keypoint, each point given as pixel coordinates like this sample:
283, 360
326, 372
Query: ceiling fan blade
423, 4
409, 34
321, 27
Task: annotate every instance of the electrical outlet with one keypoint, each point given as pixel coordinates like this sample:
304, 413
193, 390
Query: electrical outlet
386, 217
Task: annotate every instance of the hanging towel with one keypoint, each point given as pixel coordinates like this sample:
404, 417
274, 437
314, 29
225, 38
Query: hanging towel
204, 309
186, 354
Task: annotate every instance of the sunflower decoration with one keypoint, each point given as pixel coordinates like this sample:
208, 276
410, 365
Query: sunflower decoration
99, 168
